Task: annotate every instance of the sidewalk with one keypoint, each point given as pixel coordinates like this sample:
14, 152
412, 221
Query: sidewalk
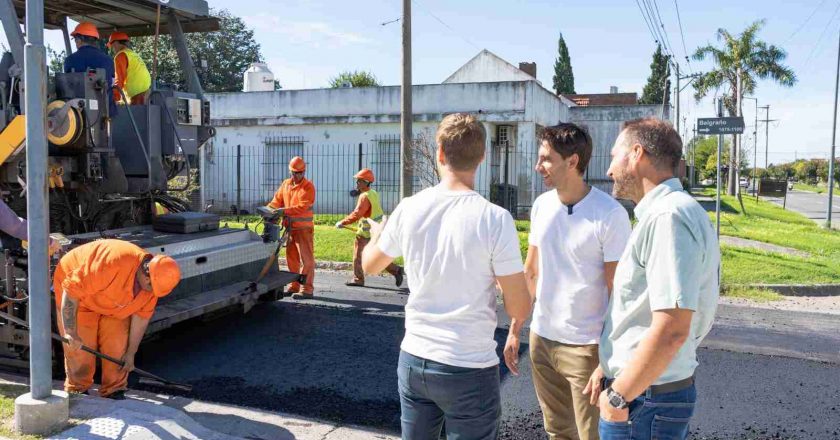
149, 416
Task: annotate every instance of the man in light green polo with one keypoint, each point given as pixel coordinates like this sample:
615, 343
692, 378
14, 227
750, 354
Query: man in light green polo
664, 296
368, 206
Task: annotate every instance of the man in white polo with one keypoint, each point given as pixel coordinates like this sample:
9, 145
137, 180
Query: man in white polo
578, 234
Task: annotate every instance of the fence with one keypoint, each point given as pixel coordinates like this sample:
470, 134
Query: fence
238, 178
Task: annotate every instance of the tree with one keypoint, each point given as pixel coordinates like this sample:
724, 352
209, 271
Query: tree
658, 87
220, 57
356, 78
746, 56
55, 60
564, 78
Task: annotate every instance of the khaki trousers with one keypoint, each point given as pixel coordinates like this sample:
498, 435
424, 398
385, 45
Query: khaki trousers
561, 372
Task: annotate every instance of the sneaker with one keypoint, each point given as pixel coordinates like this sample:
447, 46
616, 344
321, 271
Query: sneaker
398, 278
303, 295
355, 283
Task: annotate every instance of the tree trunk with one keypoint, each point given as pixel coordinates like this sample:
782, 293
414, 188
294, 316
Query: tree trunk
732, 185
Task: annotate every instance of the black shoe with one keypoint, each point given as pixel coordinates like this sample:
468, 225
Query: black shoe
398, 278
354, 284
116, 395
303, 295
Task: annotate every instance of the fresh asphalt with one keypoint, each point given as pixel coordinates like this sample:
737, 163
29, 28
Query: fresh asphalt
764, 374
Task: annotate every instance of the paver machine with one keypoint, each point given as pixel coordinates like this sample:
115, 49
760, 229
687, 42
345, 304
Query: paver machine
110, 171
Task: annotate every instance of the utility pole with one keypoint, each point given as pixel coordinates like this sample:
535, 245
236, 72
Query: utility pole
755, 147
719, 170
767, 122
677, 119
42, 409
830, 179
406, 115
735, 159
693, 155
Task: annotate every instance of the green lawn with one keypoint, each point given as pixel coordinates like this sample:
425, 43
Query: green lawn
764, 222
819, 188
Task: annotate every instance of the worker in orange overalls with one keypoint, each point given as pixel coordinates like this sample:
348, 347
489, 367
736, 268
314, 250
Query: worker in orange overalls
368, 206
105, 293
294, 199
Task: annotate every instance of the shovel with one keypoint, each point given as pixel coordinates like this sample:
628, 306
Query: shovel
151, 379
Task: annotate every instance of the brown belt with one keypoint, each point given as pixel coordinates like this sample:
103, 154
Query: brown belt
664, 388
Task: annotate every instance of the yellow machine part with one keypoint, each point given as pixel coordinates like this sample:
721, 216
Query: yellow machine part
12, 137
68, 130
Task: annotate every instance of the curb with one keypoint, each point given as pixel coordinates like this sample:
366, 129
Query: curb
797, 289
327, 265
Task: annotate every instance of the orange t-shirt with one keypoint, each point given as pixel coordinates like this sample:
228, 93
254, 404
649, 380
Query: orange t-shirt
297, 201
101, 276
120, 74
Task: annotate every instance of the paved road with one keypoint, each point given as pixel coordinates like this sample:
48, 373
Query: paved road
813, 206
764, 373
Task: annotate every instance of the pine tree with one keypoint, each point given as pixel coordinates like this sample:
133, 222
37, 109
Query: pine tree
564, 78
658, 85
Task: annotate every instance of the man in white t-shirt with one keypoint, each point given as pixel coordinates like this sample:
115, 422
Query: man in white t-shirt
457, 246
577, 236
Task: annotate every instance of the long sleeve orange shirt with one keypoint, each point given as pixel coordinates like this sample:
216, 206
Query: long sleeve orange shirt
100, 275
296, 201
120, 74
363, 210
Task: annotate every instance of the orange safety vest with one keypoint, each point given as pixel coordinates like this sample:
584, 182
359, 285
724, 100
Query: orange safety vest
297, 199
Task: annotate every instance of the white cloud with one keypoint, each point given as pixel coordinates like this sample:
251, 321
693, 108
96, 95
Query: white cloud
312, 33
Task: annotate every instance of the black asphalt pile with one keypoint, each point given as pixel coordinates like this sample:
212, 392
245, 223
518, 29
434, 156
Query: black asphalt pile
523, 427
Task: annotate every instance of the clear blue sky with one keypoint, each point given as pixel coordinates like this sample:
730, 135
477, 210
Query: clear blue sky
305, 42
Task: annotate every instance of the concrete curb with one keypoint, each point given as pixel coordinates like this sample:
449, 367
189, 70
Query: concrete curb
328, 265
797, 289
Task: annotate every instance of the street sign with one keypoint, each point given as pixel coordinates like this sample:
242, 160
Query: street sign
720, 125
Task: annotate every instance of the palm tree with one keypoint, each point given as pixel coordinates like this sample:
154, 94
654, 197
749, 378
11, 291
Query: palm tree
748, 57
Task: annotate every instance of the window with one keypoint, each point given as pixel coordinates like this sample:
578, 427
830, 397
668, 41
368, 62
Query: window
277, 153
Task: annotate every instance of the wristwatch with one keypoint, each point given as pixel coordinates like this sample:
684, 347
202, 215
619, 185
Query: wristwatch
616, 400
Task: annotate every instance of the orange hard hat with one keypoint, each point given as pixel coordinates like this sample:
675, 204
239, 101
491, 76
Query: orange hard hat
87, 29
297, 164
165, 274
365, 174
117, 36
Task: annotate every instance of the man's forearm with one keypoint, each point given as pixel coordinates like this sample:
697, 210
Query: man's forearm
69, 314
653, 355
135, 333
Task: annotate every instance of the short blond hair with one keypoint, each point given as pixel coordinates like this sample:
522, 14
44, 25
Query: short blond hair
461, 137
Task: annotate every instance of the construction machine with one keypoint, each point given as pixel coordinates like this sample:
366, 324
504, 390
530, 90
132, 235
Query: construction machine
110, 171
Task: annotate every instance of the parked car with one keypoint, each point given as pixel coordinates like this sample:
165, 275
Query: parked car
790, 185
745, 182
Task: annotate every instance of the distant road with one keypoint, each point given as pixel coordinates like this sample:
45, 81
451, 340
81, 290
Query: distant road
812, 205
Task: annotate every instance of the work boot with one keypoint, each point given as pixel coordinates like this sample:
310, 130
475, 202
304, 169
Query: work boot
398, 278
303, 295
116, 395
355, 283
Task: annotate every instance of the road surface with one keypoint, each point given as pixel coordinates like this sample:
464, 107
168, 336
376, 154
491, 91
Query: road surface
813, 206
763, 374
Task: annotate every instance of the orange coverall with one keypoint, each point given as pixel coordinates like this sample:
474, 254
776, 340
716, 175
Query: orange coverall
297, 201
100, 275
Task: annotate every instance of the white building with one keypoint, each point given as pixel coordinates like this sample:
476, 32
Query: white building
339, 130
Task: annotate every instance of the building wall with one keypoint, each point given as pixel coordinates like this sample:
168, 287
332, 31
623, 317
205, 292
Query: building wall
604, 124
487, 67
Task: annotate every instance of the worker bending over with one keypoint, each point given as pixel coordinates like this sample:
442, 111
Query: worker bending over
130, 72
368, 206
106, 292
294, 200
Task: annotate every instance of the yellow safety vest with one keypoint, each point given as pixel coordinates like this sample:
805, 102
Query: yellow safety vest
375, 213
137, 79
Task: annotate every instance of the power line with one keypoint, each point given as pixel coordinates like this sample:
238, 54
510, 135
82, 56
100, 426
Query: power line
822, 35
682, 37
804, 23
662, 25
445, 25
654, 24
647, 23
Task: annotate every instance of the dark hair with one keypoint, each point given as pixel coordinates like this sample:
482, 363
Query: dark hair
658, 138
86, 39
568, 139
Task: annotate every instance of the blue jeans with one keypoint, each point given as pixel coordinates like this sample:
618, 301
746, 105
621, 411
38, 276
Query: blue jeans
660, 417
430, 393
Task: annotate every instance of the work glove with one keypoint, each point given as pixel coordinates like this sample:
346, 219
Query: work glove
339, 225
